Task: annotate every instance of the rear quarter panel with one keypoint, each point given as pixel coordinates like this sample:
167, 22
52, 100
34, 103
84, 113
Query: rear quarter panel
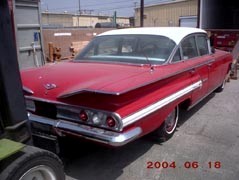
219, 68
178, 78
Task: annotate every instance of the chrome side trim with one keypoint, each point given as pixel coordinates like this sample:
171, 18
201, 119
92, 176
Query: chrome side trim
95, 134
27, 90
154, 107
204, 80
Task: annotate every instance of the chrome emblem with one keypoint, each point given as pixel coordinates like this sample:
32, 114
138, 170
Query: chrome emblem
49, 86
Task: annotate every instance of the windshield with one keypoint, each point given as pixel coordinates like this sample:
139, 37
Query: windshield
138, 49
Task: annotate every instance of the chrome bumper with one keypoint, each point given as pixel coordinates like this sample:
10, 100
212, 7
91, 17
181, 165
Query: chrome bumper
87, 132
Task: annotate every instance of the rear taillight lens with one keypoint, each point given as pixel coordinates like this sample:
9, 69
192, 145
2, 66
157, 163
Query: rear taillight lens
83, 116
111, 122
101, 119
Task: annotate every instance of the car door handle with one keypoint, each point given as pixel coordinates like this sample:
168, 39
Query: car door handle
210, 62
192, 71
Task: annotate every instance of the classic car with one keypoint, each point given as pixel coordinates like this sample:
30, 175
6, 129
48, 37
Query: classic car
125, 84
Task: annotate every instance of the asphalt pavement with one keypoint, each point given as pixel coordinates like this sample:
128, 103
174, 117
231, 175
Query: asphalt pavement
204, 147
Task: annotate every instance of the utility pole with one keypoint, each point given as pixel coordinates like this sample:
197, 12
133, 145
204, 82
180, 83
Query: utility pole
114, 19
79, 15
79, 7
141, 13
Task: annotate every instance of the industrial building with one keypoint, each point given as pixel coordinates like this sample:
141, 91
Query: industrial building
169, 13
50, 19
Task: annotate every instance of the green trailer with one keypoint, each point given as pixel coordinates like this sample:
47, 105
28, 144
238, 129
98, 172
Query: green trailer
18, 161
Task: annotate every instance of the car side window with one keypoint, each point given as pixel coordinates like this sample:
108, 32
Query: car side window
189, 48
177, 56
202, 45
155, 48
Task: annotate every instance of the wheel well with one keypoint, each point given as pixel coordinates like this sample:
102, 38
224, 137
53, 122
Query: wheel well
229, 67
185, 104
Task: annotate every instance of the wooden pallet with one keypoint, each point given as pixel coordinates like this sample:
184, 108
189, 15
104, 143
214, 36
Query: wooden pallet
77, 46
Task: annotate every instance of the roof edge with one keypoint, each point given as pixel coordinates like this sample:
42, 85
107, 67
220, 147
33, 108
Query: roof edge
163, 3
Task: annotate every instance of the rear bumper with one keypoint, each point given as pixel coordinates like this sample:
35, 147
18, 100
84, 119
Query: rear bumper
87, 132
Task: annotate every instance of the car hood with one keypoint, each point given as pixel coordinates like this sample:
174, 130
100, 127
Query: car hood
68, 78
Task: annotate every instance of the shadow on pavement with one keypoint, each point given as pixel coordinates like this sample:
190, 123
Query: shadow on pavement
86, 161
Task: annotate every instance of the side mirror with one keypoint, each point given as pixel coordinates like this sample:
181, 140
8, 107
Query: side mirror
213, 50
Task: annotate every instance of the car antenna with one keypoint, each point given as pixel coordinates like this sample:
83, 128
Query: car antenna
150, 64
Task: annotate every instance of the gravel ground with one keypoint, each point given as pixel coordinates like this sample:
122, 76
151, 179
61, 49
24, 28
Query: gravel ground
205, 146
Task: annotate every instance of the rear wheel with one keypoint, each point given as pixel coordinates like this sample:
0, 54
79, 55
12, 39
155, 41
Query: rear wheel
169, 125
34, 164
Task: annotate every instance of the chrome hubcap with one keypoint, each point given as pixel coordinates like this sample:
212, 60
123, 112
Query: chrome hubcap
40, 172
171, 121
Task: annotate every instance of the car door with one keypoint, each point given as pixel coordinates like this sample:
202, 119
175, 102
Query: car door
216, 75
197, 61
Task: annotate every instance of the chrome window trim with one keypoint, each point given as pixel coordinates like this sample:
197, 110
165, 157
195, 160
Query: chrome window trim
180, 47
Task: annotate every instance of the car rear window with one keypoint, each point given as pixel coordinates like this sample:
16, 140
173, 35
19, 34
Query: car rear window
139, 49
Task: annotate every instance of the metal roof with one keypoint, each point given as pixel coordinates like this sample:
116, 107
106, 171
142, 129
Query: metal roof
79, 15
160, 3
174, 33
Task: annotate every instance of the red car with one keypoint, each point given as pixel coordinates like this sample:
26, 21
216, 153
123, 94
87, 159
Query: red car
125, 84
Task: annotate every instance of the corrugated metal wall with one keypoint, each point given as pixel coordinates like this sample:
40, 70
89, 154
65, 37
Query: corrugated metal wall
167, 14
219, 14
27, 25
72, 20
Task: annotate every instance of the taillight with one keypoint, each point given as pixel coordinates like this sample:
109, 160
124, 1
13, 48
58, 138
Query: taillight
83, 116
101, 119
110, 122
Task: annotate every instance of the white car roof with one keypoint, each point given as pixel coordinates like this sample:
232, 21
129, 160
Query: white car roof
174, 33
